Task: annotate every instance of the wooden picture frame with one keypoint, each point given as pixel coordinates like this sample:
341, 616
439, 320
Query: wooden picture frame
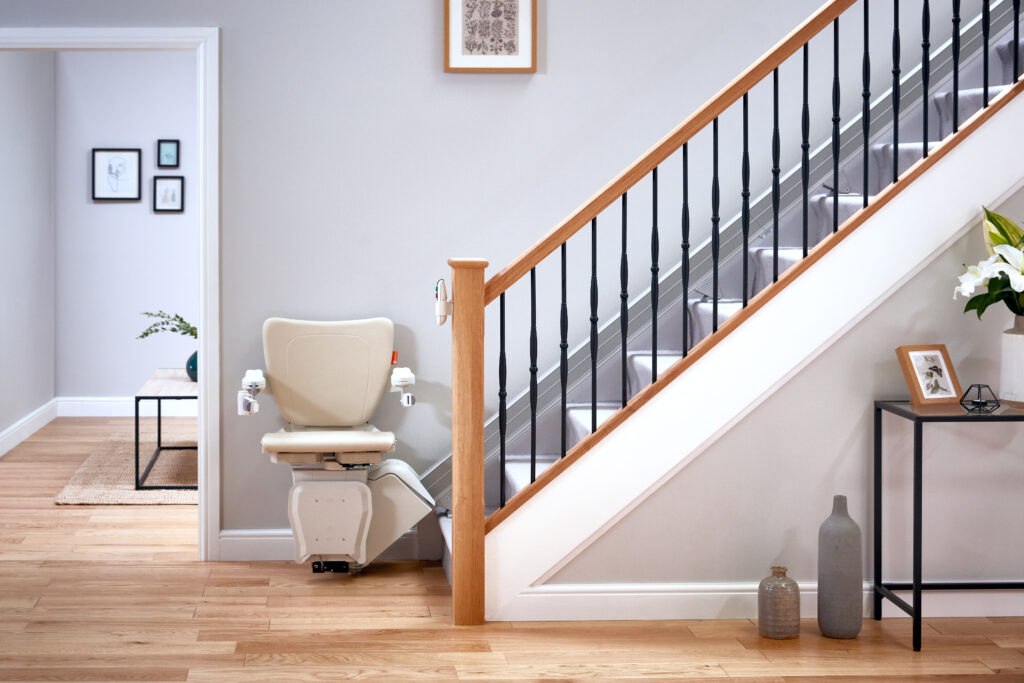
167, 153
929, 374
116, 174
505, 41
168, 193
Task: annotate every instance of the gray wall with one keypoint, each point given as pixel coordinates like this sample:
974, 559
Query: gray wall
26, 234
352, 167
774, 474
116, 259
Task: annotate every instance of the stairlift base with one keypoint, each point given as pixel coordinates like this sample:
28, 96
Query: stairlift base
352, 515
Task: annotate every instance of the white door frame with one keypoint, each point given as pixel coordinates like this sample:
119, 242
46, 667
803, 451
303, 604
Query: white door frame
205, 43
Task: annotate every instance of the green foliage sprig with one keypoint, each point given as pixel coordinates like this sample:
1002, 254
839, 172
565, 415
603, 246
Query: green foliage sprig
168, 323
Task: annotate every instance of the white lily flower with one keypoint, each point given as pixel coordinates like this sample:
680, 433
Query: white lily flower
977, 276
1015, 269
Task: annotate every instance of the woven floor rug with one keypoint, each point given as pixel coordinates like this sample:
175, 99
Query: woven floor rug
107, 477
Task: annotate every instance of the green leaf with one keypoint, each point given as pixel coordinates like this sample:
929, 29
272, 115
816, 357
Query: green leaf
1001, 230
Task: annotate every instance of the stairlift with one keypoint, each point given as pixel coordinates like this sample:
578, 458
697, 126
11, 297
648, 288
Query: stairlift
347, 502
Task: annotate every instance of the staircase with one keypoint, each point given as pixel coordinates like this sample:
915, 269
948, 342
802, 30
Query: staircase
763, 255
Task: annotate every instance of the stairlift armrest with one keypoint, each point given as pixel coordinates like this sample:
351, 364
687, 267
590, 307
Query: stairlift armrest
401, 378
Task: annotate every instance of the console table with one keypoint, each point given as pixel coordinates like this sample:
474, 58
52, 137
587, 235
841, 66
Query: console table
919, 416
166, 384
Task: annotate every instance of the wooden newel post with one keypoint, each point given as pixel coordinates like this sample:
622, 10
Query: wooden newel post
467, 441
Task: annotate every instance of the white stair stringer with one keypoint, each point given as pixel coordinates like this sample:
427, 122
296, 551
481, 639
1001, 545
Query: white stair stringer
690, 413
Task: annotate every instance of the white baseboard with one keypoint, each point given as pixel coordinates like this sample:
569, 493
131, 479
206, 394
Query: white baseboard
264, 545
121, 406
735, 600
27, 426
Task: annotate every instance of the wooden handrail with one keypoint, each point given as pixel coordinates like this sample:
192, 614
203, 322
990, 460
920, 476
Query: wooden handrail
756, 303
714, 107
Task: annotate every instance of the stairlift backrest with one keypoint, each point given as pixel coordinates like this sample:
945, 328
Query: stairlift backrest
328, 373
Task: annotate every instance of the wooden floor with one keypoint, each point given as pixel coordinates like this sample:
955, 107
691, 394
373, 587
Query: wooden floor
114, 593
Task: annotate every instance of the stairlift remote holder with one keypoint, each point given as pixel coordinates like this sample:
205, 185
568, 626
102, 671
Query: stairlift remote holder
400, 379
252, 384
443, 306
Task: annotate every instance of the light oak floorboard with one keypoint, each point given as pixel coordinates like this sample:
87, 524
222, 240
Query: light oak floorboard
114, 593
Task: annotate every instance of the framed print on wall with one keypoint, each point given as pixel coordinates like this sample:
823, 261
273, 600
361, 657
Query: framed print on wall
490, 36
168, 193
167, 153
929, 374
115, 174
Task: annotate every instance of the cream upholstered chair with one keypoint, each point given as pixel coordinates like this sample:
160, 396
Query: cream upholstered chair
347, 503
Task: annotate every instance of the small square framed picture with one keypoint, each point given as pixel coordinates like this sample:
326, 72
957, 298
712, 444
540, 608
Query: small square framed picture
167, 153
168, 193
115, 174
929, 374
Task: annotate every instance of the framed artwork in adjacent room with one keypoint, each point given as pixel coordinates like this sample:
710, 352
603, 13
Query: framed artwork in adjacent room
115, 174
168, 193
929, 374
167, 153
490, 36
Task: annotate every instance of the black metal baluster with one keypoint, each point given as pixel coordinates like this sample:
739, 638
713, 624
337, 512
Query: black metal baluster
624, 303
805, 147
685, 268
745, 194
593, 324
714, 226
896, 90
533, 374
865, 116
655, 247
776, 151
926, 25
1016, 40
564, 356
835, 125
956, 65
502, 410
986, 25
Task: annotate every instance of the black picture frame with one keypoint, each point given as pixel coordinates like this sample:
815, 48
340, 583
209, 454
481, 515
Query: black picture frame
168, 194
116, 174
167, 153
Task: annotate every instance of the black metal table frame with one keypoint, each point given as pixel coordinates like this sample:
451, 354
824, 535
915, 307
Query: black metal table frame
885, 589
140, 481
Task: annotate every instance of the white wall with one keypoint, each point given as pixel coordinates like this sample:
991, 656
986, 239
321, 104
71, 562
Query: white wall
757, 496
116, 259
26, 234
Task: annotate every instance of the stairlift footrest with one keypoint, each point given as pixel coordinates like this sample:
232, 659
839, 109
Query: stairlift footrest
330, 518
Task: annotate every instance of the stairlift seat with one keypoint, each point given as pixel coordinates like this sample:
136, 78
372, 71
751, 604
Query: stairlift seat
294, 439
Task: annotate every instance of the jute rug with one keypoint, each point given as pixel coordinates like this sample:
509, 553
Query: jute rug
107, 477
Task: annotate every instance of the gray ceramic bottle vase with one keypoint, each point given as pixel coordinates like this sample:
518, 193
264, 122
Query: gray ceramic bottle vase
840, 574
778, 606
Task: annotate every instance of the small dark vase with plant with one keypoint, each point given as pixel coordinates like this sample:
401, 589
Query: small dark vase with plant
165, 322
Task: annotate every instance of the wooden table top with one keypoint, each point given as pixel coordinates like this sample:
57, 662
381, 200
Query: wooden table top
168, 382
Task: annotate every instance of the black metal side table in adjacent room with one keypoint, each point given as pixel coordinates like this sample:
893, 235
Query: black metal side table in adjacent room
166, 384
886, 589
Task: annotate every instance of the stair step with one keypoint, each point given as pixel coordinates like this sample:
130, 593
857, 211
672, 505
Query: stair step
640, 364
701, 313
1004, 51
579, 419
971, 100
762, 264
910, 153
517, 471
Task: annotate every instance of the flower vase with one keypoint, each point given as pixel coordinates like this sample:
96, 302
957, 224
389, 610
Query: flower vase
192, 366
778, 606
1011, 375
840, 574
